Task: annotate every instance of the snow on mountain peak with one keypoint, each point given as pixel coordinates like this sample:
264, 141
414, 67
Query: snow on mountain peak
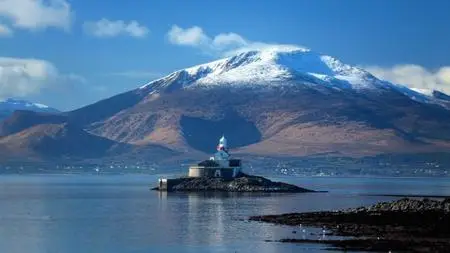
272, 65
428, 92
269, 49
23, 103
15, 104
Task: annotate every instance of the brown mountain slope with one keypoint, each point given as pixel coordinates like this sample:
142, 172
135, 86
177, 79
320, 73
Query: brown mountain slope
294, 122
106, 108
57, 140
21, 120
298, 122
65, 142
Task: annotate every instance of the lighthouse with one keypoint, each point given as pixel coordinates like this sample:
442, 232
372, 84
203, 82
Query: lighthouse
222, 156
218, 165
222, 144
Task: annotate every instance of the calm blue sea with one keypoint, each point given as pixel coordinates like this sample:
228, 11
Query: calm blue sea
118, 213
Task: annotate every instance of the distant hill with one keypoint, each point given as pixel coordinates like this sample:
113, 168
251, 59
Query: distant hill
53, 140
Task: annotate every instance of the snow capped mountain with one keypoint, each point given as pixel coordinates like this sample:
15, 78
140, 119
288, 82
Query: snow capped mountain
272, 66
280, 101
10, 105
280, 66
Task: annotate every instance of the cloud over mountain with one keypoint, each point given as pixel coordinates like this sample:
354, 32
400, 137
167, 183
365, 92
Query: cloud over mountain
223, 44
415, 76
21, 77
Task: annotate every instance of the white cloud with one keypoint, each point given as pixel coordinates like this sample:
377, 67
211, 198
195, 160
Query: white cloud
222, 44
110, 28
24, 77
5, 31
415, 76
225, 40
37, 14
193, 36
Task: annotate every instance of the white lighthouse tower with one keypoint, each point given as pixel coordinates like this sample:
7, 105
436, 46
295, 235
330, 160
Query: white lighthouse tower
218, 165
222, 156
222, 143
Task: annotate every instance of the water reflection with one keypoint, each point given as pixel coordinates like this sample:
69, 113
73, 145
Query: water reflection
219, 219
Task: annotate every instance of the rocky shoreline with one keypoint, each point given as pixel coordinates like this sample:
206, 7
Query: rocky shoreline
405, 225
242, 183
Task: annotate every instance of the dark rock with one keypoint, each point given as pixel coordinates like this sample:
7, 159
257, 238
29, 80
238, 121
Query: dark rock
379, 245
411, 225
407, 205
242, 183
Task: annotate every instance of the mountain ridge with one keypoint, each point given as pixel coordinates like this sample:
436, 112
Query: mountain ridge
267, 67
277, 66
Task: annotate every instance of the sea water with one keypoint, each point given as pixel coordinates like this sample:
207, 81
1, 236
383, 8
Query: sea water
119, 213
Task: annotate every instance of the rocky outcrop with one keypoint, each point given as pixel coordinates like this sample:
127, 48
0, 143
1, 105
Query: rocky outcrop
407, 205
410, 225
242, 183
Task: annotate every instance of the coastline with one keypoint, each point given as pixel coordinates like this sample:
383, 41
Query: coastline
410, 225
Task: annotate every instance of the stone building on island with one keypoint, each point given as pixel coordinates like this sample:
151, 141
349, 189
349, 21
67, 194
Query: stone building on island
220, 165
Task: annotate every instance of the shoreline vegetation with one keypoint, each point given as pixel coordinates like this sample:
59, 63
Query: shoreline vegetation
405, 225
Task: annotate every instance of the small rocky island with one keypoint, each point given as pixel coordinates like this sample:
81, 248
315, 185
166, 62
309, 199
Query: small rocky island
223, 174
405, 225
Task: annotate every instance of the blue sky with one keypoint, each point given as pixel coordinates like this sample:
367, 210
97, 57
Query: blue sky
68, 57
